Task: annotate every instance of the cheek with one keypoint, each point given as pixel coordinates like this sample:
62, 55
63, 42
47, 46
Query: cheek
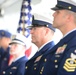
12, 50
34, 36
19, 49
41, 36
57, 20
1, 41
38, 35
15, 50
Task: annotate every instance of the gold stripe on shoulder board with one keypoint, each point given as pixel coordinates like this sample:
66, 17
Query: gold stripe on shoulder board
70, 63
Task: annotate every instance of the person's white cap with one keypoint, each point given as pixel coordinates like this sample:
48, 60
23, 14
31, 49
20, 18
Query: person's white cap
39, 20
20, 39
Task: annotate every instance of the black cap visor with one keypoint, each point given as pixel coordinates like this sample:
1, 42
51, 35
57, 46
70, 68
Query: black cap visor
32, 26
13, 43
57, 7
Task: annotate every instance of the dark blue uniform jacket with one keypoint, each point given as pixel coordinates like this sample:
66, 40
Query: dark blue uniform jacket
4, 58
61, 59
32, 65
16, 68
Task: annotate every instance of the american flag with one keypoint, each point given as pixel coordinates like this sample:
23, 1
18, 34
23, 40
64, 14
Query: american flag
25, 20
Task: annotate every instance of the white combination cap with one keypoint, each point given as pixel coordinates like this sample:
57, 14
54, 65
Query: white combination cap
20, 39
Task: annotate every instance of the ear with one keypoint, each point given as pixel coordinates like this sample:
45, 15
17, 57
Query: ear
47, 30
69, 18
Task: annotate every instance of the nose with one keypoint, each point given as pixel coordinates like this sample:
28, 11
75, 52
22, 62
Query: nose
31, 31
54, 14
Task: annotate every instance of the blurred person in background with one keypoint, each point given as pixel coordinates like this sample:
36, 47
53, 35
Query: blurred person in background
18, 46
5, 39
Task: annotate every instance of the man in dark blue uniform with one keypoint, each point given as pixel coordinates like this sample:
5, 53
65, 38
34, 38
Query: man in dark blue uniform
18, 46
61, 59
42, 33
5, 38
67, 10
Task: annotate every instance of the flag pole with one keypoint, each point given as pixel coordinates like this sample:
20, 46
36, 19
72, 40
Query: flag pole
25, 20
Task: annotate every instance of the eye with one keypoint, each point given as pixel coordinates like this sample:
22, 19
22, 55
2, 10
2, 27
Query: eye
34, 28
57, 11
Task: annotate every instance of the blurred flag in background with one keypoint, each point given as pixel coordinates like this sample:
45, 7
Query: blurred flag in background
25, 20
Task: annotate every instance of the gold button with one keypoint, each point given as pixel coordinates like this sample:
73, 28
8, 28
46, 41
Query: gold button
45, 60
55, 60
35, 68
40, 72
26, 67
10, 72
4, 72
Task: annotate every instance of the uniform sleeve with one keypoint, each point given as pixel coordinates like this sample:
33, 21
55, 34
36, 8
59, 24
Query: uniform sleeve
68, 63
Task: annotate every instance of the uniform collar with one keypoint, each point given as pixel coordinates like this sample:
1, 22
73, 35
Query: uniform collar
18, 58
69, 32
43, 45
